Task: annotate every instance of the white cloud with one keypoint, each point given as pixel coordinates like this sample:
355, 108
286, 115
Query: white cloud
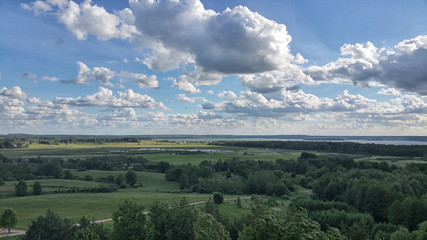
87, 19
234, 41
389, 91
184, 84
51, 79
14, 92
37, 7
183, 98
105, 97
402, 68
29, 75
210, 91
105, 75
142, 80
255, 104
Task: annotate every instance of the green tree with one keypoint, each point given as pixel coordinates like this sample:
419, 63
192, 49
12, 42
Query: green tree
119, 179
86, 233
68, 174
131, 178
180, 226
239, 202
129, 221
37, 188
21, 188
206, 227
8, 219
218, 198
159, 218
184, 181
51, 227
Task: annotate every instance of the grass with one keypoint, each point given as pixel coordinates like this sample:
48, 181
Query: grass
48, 185
91, 205
69, 151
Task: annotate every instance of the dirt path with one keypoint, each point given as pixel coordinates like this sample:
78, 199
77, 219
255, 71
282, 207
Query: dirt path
13, 232
17, 232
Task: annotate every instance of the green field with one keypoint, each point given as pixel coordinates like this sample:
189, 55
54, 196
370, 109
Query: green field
92, 205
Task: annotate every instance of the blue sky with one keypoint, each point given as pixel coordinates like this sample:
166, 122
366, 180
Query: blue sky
213, 67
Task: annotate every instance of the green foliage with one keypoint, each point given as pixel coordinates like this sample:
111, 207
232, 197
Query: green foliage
218, 198
206, 227
181, 221
8, 219
37, 188
50, 226
129, 221
86, 233
119, 179
68, 174
296, 225
21, 189
158, 223
239, 202
184, 181
131, 177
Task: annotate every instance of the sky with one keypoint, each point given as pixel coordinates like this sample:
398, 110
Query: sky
253, 67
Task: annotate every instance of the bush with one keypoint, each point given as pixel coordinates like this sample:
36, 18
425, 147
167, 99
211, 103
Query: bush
218, 198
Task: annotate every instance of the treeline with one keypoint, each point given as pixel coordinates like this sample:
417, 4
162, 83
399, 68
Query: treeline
362, 199
25, 141
335, 147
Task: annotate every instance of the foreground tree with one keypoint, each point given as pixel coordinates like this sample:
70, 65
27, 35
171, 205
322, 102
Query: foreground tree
129, 221
206, 227
51, 227
159, 217
8, 219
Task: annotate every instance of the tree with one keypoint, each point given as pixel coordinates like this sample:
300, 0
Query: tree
239, 202
86, 233
129, 221
183, 181
159, 218
180, 226
218, 198
51, 227
21, 188
131, 178
119, 179
68, 174
206, 227
8, 219
37, 188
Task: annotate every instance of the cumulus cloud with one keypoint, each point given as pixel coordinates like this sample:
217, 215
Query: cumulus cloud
14, 92
183, 83
105, 98
104, 75
11, 104
183, 32
183, 98
256, 104
389, 91
402, 68
234, 41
